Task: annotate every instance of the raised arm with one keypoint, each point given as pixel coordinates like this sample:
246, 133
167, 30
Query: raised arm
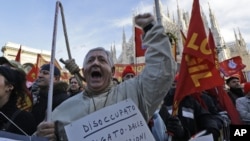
160, 67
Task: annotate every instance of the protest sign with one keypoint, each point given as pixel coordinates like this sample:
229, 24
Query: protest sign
122, 121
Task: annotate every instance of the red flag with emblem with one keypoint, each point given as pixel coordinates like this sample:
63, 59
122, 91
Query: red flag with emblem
241, 75
18, 56
232, 66
139, 51
32, 74
197, 70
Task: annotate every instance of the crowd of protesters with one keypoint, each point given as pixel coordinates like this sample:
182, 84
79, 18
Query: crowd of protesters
152, 91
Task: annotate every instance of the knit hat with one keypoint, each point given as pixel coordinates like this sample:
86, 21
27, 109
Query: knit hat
47, 68
128, 69
11, 63
247, 87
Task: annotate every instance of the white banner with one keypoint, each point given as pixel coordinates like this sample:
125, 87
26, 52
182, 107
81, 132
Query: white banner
119, 122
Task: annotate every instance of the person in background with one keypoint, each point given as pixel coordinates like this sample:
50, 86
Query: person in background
74, 86
10, 63
128, 73
235, 88
59, 92
146, 90
156, 123
115, 81
243, 104
34, 90
27, 102
190, 119
13, 88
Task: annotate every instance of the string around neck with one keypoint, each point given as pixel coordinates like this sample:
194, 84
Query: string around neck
104, 102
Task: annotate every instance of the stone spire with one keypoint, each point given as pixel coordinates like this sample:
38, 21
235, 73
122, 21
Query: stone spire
186, 19
173, 19
236, 38
180, 19
204, 19
123, 39
114, 53
215, 29
114, 49
111, 49
168, 13
241, 39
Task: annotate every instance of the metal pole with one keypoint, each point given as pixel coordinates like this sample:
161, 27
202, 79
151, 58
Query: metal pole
50, 93
77, 75
65, 31
157, 11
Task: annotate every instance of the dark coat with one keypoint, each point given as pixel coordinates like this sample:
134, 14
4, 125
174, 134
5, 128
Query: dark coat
22, 119
235, 93
40, 107
193, 116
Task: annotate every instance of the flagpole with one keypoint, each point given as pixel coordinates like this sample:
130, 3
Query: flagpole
18, 56
134, 45
157, 11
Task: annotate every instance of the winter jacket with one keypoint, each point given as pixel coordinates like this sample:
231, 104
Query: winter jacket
235, 93
146, 90
194, 118
40, 107
243, 107
23, 119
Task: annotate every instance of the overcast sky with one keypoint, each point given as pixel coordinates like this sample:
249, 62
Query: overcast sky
92, 23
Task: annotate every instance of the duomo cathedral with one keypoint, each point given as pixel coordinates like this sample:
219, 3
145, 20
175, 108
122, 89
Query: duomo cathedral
225, 50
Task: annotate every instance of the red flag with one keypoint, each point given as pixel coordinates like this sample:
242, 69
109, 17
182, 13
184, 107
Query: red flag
218, 91
32, 74
231, 66
213, 48
197, 44
229, 106
18, 56
183, 37
139, 51
40, 61
197, 70
211, 44
242, 76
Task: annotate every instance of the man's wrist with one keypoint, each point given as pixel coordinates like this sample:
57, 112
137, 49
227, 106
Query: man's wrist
148, 27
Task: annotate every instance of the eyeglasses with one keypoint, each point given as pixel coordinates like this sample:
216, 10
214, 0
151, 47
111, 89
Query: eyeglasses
73, 82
